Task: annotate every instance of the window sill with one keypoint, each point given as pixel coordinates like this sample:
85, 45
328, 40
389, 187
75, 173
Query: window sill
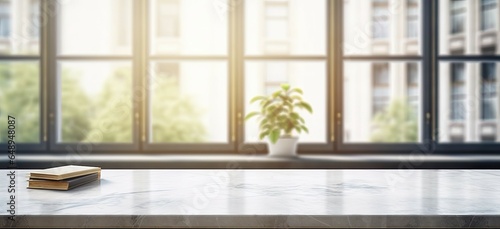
263, 162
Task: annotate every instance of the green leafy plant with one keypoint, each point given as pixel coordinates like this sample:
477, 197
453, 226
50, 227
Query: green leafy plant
278, 114
397, 123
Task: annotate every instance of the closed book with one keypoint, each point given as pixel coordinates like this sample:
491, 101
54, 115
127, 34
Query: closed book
64, 172
63, 184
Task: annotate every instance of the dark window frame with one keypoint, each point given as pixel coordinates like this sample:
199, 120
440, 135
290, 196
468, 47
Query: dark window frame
453, 147
425, 61
41, 145
429, 61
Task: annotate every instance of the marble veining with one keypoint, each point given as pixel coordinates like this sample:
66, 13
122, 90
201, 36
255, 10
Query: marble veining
265, 198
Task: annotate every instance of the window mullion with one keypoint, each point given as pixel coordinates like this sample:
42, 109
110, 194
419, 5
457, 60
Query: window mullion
427, 73
237, 29
141, 97
51, 66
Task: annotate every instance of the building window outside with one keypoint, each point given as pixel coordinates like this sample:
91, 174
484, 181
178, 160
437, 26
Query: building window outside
412, 19
4, 18
276, 20
488, 91
380, 19
457, 91
380, 87
488, 14
458, 11
412, 85
34, 21
168, 19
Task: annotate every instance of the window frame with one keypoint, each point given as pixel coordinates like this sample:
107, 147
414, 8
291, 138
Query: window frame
424, 59
328, 57
428, 59
40, 58
147, 57
53, 59
444, 147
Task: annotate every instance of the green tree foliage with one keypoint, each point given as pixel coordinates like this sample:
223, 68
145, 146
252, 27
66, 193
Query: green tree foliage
176, 118
75, 120
19, 97
112, 110
103, 118
397, 124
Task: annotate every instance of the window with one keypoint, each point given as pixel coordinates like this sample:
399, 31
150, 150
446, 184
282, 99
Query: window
412, 26
380, 88
277, 22
472, 26
177, 75
4, 18
488, 91
380, 26
20, 98
20, 76
270, 28
381, 79
167, 19
34, 20
412, 85
467, 103
458, 11
285, 48
188, 76
19, 27
457, 91
188, 28
488, 14
94, 94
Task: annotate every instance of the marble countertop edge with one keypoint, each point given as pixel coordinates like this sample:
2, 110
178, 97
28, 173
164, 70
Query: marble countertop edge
256, 221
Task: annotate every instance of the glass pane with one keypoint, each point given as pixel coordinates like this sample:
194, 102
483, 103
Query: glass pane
20, 98
95, 102
468, 102
189, 27
189, 102
263, 78
19, 27
468, 27
382, 102
106, 31
286, 27
382, 27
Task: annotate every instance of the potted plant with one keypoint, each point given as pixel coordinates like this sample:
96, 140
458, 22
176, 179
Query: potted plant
279, 119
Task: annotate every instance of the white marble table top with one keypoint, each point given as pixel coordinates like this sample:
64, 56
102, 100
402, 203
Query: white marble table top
229, 198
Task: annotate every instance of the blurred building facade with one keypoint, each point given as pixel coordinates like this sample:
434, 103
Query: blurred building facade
379, 28
468, 101
468, 91
19, 26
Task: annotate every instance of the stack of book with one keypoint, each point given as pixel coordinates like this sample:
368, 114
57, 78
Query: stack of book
63, 177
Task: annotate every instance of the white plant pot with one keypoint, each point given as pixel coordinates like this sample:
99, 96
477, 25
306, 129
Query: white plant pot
284, 147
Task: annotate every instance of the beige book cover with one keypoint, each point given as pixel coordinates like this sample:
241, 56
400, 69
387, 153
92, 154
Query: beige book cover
64, 172
66, 184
